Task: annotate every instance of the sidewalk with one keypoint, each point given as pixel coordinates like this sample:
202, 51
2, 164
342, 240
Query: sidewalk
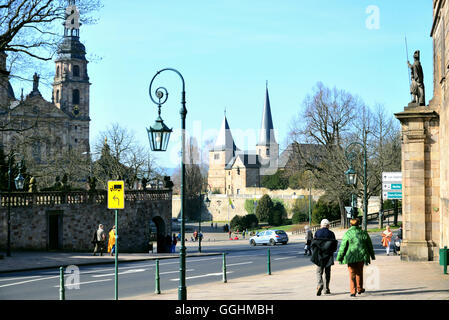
387, 278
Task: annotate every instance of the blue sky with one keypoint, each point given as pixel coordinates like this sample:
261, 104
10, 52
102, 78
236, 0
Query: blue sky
226, 50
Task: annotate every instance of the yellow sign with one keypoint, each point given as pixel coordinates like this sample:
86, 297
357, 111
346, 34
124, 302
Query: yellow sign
116, 195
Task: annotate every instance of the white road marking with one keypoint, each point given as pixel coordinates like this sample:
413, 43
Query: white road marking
80, 283
284, 258
28, 281
204, 275
119, 273
237, 264
18, 278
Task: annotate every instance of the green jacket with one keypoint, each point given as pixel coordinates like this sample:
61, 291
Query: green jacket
356, 246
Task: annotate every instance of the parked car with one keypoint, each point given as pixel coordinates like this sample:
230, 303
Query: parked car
270, 237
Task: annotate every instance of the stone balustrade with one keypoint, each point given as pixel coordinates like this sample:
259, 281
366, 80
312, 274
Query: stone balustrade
25, 199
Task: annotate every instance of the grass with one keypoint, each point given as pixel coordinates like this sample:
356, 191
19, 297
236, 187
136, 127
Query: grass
383, 229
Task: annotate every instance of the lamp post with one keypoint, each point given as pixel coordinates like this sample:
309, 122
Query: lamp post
159, 136
19, 183
207, 204
351, 176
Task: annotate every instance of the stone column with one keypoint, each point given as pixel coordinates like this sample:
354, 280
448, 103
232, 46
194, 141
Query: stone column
417, 143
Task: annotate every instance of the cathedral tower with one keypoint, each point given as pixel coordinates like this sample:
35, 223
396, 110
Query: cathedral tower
71, 82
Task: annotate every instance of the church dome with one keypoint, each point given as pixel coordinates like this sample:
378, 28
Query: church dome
71, 48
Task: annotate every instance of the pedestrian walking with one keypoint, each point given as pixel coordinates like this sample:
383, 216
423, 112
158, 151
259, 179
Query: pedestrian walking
356, 249
398, 241
308, 238
195, 235
167, 243
323, 247
111, 241
173, 243
100, 240
386, 239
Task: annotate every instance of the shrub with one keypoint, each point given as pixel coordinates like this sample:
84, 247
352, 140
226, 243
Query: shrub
277, 215
250, 221
300, 210
276, 181
249, 206
264, 208
325, 210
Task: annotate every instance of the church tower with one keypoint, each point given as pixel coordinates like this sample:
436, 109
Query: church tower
267, 148
219, 156
71, 82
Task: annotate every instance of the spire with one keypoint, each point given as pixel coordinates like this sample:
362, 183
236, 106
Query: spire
224, 141
266, 136
71, 47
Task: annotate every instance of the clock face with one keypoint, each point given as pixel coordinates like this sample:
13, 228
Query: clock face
76, 110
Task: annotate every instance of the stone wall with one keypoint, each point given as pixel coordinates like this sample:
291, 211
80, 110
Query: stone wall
220, 210
33, 226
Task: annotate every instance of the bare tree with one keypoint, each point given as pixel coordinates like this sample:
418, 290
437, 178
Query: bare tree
326, 120
120, 156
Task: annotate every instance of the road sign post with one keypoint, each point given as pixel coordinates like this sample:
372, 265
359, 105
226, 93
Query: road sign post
116, 201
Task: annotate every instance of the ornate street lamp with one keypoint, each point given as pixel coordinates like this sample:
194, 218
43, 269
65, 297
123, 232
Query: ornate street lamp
159, 136
351, 179
159, 133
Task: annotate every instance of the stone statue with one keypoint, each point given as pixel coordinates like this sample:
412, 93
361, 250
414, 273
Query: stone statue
36, 82
32, 186
417, 86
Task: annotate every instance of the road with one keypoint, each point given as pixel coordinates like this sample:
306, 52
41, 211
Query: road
96, 282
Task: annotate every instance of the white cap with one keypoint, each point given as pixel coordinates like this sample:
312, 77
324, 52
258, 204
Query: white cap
325, 223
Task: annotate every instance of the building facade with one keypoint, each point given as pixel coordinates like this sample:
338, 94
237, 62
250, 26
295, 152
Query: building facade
425, 150
232, 170
38, 129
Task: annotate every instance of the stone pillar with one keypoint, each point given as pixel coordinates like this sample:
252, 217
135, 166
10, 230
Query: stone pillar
418, 141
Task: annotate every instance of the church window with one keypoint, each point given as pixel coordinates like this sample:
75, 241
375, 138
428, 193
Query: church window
268, 152
76, 96
76, 71
57, 71
216, 156
57, 96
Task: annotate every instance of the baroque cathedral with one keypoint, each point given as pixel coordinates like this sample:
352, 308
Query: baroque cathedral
40, 130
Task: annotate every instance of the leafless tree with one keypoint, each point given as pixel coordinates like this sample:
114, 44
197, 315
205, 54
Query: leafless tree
119, 156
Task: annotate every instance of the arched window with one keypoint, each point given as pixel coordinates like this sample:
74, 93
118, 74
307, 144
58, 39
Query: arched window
57, 96
57, 71
76, 71
76, 96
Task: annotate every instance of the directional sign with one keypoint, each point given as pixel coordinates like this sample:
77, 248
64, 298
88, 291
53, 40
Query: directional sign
392, 176
116, 195
392, 185
392, 195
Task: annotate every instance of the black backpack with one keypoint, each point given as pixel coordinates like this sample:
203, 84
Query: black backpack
94, 238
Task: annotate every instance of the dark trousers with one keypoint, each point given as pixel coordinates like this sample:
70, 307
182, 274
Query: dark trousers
356, 276
319, 276
99, 247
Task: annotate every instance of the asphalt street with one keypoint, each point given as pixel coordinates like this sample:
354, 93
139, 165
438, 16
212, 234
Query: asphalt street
135, 278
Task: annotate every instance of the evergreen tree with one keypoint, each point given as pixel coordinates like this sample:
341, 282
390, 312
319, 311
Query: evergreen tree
264, 207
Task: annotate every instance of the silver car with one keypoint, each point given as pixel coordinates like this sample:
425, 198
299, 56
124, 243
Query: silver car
270, 237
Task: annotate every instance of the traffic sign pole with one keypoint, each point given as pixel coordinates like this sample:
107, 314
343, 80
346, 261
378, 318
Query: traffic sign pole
116, 254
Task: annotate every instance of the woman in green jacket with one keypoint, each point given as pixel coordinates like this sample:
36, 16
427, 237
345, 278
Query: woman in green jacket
356, 249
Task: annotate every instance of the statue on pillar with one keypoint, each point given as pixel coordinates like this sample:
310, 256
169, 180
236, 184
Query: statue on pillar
417, 85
